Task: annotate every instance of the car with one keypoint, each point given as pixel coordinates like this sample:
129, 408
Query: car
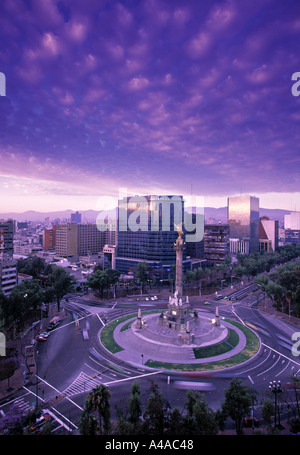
52, 325
207, 303
248, 421
42, 336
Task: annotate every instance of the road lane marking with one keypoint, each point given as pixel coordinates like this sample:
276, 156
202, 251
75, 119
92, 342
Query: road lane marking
272, 366
282, 355
100, 319
67, 398
255, 367
280, 372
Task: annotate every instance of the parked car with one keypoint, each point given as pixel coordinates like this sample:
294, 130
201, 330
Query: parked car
248, 421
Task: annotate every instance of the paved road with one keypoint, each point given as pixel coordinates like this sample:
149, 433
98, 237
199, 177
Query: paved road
71, 363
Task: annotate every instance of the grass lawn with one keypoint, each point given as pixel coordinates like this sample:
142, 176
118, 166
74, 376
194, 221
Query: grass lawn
107, 333
251, 348
219, 348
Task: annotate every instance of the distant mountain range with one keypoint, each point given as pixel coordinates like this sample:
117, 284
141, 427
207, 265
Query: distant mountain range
211, 215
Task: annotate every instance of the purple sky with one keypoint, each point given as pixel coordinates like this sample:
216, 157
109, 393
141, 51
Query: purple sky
154, 96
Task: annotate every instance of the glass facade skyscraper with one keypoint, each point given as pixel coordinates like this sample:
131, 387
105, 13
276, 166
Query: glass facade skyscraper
243, 220
147, 231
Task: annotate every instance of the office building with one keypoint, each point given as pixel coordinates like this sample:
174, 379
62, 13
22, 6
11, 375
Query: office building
49, 238
292, 221
243, 221
90, 239
268, 234
74, 240
7, 231
8, 275
291, 236
216, 243
147, 233
195, 249
292, 228
66, 243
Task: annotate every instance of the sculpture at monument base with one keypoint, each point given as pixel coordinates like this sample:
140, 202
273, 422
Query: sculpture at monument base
139, 322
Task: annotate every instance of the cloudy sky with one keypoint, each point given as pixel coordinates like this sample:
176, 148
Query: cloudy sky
151, 96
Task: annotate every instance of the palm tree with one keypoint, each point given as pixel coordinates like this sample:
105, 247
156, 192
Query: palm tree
98, 401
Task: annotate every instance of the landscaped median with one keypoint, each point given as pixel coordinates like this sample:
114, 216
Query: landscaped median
107, 333
206, 352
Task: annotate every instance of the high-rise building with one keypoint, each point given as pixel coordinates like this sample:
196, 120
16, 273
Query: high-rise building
7, 230
66, 243
49, 238
147, 232
195, 250
216, 243
243, 220
8, 275
90, 239
73, 240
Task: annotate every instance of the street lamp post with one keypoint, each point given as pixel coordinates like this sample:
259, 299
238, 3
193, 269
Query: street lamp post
275, 387
37, 382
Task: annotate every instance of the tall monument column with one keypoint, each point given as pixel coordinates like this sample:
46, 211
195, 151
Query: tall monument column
179, 247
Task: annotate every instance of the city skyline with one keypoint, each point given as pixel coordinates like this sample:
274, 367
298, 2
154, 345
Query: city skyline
157, 97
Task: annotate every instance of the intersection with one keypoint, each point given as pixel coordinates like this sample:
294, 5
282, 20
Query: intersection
70, 365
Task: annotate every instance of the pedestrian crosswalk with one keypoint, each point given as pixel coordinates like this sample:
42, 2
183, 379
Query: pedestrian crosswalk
83, 383
23, 404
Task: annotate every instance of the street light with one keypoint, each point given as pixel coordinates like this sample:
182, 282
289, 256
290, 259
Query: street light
37, 382
275, 387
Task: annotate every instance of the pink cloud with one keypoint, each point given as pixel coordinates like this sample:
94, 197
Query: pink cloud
138, 83
199, 45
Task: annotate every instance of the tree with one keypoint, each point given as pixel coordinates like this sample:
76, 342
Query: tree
61, 282
135, 406
156, 414
176, 422
237, 403
142, 273
88, 423
24, 297
200, 419
33, 266
98, 401
267, 411
12, 422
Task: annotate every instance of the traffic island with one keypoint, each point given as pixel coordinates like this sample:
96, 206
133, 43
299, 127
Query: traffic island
120, 337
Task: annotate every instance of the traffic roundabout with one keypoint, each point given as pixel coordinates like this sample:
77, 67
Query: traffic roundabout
145, 342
